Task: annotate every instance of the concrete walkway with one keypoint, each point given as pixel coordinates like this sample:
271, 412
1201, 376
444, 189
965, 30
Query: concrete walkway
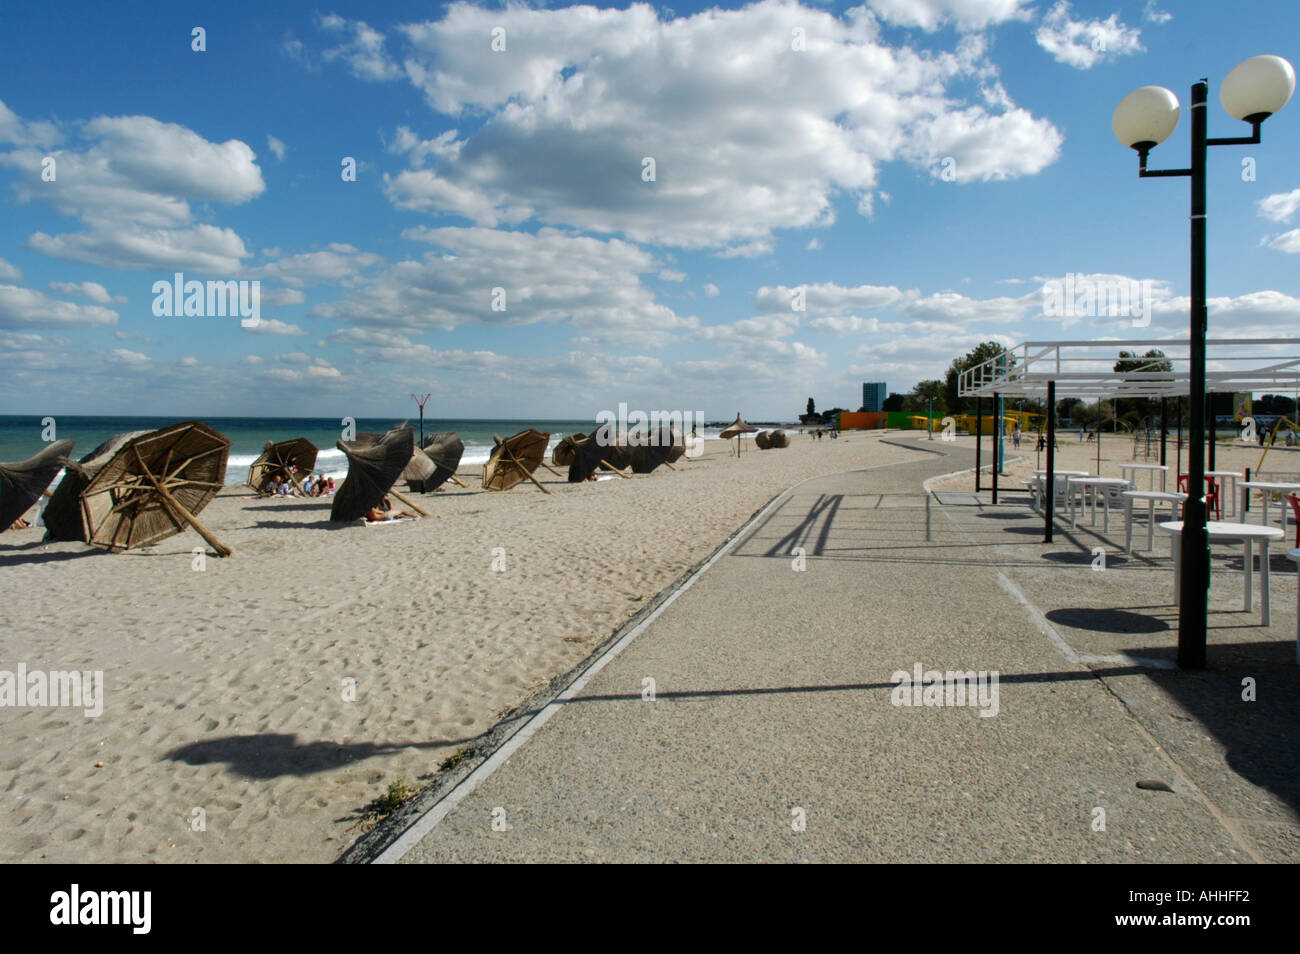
771, 734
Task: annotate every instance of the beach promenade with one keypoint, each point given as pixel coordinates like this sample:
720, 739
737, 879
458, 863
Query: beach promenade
770, 731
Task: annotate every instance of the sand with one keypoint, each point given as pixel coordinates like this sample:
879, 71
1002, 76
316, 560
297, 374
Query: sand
230, 731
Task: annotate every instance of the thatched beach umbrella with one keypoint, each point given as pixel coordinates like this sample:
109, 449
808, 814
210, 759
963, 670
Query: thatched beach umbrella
589, 455
282, 457
778, 439
445, 449
513, 460
23, 482
735, 429
63, 516
419, 470
373, 468
154, 486
564, 451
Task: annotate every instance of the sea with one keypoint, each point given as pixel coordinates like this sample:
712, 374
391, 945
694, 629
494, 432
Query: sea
23, 436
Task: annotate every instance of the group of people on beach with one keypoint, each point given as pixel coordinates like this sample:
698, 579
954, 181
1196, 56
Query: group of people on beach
313, 485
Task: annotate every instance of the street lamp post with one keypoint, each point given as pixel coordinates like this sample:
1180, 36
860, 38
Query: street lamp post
1253, 91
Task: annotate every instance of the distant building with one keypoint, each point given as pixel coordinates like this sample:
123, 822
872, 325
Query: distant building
873, 396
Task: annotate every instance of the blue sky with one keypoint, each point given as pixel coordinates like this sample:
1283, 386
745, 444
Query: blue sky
919, 168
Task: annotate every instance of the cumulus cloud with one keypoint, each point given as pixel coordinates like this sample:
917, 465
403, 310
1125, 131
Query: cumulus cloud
10, 272
930, 15
1281, 206
1153, 14
131, 181
337, 262
1084, 43
501, 278
751, 138
361, 48
90, 290
1286, 242
26, 306
273, 326
711, 290
277, 147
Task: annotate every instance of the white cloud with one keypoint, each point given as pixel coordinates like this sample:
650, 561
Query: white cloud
251, 359
273, 326
711, 290
131, 182
929, 15
337, 262
1083, 43
9, 272
362, 48
128, 357
669, 275
1281, 206
584, 95
826, 298
26, 306
203, 248
814, 245
91, 290
189, 362
1287, 242
1153, 14
279, 297
590, 284
276, 146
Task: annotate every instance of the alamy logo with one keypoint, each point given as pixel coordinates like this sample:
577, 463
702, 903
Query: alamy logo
642, 429
213, 299
103, 907
951, 688
1080, 296
55, 689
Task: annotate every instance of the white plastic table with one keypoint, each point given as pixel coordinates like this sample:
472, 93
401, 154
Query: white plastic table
1151, 497
1266, 486
1062, 473
1294, 557
1219, 531
1227, 499
1093, 484
1131, 469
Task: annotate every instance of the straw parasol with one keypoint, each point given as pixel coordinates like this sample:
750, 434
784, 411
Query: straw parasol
417, 471
771, 440
735, 429
590, 455
154, 486
564, 451
283, 457
373, 468
445, 449
63, 517
513, 460
23, 482
761, 440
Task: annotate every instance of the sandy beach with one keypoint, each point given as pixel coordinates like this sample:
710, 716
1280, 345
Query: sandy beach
274, 694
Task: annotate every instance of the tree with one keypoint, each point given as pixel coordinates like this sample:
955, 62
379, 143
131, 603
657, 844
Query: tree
1136, 410
894, 402
923, 393
812, 406
981, 353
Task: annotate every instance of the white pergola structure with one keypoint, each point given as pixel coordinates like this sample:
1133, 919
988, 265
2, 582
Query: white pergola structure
1086, 369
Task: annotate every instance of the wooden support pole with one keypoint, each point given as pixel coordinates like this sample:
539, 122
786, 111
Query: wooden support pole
409, 502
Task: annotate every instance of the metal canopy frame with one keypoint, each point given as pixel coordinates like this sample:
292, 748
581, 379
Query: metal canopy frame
1081, 369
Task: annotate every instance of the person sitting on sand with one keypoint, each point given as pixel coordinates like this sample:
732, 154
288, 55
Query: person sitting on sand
385, 512
307, 485
272, 486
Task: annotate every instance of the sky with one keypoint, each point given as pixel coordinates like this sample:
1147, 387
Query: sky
557, 209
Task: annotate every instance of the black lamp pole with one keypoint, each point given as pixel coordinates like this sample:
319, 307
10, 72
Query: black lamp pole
1194, 596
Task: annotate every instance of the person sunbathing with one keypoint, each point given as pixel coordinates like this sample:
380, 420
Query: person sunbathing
384, 511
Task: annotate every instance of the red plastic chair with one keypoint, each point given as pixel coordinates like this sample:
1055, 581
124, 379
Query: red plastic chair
1294, 501
1211, 494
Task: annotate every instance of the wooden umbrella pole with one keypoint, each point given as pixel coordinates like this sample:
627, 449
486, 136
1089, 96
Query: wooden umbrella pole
179, 510
506, 452
608, 466
551, 469
458, 481
669, 465
394, 492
